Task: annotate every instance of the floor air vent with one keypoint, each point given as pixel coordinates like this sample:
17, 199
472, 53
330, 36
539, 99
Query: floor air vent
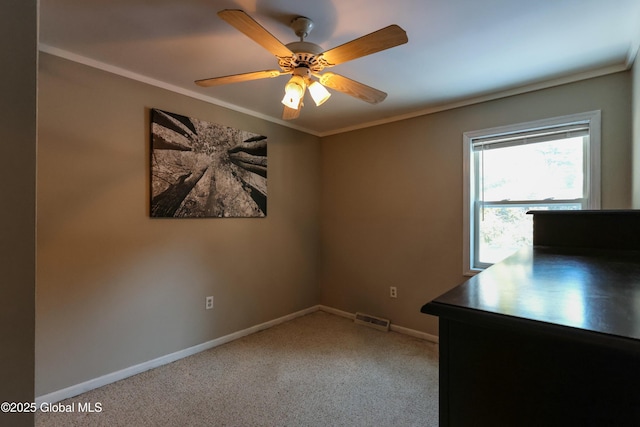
372, 321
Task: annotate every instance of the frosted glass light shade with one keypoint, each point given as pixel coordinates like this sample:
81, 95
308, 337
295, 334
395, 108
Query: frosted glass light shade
293, 92
319, 93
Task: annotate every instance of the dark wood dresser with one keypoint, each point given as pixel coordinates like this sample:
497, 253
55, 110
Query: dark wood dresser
551, 335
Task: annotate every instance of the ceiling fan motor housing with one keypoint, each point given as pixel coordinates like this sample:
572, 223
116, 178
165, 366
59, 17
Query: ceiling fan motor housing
306, 54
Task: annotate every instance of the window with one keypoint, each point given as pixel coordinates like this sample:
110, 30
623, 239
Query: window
547, 164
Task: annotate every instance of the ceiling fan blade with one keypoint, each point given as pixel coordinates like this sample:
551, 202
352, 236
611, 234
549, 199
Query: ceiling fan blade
256, 32
353, 88
291, 113
235, 78
385, 38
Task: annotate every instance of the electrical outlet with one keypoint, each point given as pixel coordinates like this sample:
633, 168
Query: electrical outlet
209, 303
393, 292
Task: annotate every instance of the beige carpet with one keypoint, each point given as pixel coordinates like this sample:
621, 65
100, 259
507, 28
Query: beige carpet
316, 370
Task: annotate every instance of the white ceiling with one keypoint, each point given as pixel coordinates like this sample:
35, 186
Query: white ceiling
459, 51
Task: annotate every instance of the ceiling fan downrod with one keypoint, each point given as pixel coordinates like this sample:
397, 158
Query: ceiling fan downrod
302, 26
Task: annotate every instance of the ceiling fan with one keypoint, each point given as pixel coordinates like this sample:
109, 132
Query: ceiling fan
305, 60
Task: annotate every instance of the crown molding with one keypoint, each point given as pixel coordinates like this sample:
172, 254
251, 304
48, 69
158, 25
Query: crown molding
491, 97
52, 50
626, 65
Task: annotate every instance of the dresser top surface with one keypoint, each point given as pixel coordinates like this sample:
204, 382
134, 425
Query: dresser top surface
589, 289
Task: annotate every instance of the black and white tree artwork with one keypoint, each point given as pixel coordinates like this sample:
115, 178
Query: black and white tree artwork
201, 169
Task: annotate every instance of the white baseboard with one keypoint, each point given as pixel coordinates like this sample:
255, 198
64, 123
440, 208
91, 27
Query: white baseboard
337, 312
395, 328
417, 334
77, 389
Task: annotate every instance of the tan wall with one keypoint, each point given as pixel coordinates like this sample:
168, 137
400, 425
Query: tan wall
117, 288
349, 216
18, 85
392, 196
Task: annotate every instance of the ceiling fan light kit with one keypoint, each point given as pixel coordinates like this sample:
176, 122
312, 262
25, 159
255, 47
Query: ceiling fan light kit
304, 60
295, 89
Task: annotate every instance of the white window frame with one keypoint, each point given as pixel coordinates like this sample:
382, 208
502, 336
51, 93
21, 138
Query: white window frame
592, 169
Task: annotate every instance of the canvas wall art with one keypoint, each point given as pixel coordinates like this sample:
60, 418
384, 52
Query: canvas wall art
206, 170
